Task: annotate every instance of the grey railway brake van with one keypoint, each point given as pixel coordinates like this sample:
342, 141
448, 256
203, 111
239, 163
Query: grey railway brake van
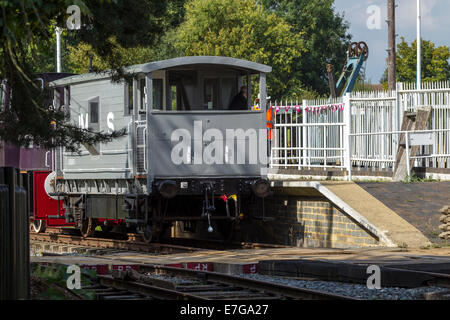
182, 140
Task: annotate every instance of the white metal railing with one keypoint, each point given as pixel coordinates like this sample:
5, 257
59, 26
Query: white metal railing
295, 133
307, 155
407, 137
373, 112
373, 120
436, 95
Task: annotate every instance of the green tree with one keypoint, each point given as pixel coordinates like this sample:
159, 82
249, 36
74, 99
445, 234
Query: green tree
246, 30
27, 44
325, 37
78, 57
435, 65
78, 53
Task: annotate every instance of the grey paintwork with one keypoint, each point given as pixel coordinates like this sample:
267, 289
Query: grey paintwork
115, 159
243, 65
163, 125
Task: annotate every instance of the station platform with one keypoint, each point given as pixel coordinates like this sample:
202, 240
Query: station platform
396, 214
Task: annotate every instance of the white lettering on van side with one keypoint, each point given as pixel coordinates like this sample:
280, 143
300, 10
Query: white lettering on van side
109, 122
82, 122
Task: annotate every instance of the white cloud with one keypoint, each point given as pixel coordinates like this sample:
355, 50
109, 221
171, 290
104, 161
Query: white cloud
407, 13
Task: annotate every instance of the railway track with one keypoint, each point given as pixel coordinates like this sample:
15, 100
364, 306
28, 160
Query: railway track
161, 282
77, 243
156, 282
198, 285
133, 242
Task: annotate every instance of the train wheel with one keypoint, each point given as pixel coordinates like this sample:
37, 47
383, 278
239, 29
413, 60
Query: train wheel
87, 228
147, 235
152, 232
38, 226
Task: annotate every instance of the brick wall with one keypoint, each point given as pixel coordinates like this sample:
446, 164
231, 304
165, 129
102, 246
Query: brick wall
306, 222
326, 226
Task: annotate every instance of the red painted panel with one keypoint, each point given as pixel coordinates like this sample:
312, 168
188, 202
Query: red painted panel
59, 223
250, 268
44, 205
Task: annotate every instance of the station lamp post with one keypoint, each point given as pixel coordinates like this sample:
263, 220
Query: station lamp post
419, 48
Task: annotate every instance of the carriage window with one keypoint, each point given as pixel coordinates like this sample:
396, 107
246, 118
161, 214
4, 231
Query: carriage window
157, 94
202, 89
93, 112
211, 94
94, 117
229, 90
128, 99
173, 97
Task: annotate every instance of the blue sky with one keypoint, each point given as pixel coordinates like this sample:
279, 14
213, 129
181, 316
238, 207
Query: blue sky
435, 27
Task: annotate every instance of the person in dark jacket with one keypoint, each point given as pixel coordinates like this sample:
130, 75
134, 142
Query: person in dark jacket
239, 102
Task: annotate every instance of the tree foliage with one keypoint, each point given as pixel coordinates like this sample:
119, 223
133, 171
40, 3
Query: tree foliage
27, 37
435, 65
79, 52
325, 37
243, 29
78, 57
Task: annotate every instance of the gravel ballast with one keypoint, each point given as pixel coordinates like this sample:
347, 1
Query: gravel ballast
358, 291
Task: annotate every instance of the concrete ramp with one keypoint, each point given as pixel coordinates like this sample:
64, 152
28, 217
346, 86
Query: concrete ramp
369, 212
392, 225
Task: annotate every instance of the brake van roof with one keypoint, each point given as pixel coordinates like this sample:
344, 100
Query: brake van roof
243, 65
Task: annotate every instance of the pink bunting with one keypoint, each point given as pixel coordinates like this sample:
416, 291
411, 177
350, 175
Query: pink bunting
315, 109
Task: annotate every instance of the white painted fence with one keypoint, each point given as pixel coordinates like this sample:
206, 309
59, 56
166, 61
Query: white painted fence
319, 133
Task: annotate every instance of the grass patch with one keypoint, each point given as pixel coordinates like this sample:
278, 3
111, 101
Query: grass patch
50, 283
413, 178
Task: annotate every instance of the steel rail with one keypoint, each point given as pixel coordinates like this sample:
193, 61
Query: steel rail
165, 245
109, 243
146, 289
286, 291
